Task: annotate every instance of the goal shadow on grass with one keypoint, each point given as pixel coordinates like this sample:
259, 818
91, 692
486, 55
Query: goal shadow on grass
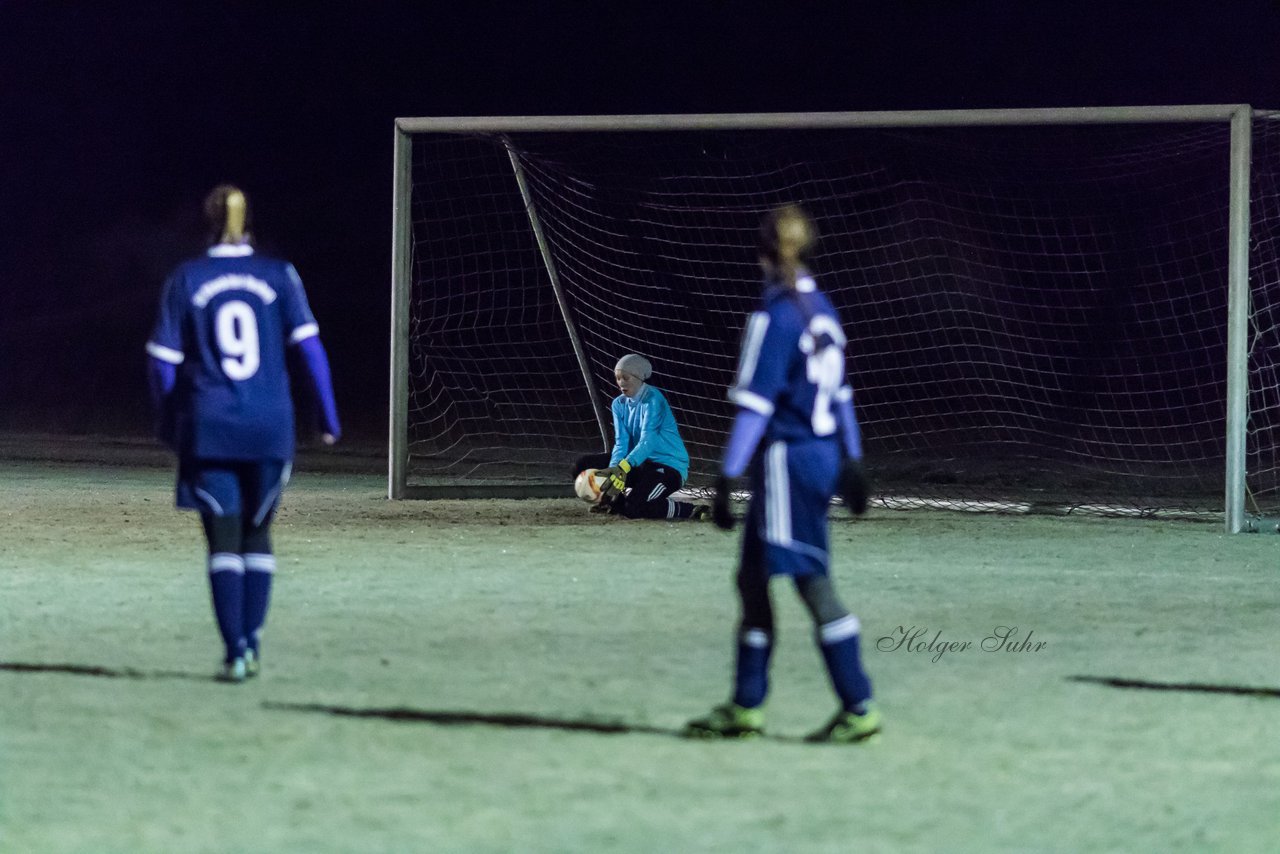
1187, 687
508, 720
105, 672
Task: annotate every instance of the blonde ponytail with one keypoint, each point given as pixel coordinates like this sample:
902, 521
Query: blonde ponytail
226, 209
237, 209
787, 236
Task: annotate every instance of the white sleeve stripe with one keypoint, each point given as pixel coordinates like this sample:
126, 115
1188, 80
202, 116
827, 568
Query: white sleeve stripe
751, 400
306, 330
844, 393
165, 354
757, 325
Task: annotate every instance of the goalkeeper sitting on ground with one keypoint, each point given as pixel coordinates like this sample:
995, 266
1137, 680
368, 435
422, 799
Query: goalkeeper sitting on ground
649, 461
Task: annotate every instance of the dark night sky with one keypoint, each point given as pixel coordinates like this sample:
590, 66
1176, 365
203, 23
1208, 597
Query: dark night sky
116, 118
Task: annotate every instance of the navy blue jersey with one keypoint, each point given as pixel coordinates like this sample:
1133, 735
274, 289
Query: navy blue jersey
792, 365
225, 320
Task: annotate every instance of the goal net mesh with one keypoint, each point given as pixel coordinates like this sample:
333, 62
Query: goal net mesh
1036, 315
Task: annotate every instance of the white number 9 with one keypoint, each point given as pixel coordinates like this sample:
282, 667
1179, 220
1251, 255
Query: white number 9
236, 327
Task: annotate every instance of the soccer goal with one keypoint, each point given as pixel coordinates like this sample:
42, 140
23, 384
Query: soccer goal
1056, 310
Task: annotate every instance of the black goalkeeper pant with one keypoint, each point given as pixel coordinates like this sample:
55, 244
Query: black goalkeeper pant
649, 487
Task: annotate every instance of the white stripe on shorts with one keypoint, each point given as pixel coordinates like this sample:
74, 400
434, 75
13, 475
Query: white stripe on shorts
777, 489
273, 494
209, 500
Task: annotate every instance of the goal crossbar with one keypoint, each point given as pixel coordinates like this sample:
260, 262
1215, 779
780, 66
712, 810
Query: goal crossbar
866, 119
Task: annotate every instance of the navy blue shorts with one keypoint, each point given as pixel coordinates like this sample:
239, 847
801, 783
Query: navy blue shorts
791, 490
247, 488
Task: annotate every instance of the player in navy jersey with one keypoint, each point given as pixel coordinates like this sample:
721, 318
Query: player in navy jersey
795, 404
649, 461
221, 388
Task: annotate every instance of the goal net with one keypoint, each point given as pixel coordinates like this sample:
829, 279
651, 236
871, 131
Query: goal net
1039, 303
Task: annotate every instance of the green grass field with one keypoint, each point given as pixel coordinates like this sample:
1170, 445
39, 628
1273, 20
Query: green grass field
511, 677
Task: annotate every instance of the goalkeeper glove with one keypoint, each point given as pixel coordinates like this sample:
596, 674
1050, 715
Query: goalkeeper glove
615, 479
853, 486
720, 512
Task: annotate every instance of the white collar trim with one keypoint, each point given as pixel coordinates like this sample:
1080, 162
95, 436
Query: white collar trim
230, 250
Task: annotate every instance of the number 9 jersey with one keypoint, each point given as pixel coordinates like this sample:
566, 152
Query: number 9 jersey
225, 321
792, 365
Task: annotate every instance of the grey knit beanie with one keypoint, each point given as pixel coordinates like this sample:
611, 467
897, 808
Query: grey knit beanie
637, 366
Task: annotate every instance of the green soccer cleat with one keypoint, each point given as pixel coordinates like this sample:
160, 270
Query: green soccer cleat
232, 671
727, 721
848, 728
701, 512
252, 664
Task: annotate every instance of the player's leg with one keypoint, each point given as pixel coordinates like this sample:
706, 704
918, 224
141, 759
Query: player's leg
755, 628
211, 489
648, 495
677, 509
259, 570
837, 636
226, 585
802, 544
743, 715
263, 485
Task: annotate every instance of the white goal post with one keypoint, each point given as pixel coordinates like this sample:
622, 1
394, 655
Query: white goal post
980, 251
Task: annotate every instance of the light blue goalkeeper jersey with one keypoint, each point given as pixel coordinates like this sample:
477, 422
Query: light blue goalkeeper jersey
645, 429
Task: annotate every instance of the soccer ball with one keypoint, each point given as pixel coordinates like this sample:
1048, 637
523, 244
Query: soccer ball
587, 485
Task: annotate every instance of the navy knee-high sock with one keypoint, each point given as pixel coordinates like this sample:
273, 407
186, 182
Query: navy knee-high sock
751, 675
226, 582
838, 641
259, 569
